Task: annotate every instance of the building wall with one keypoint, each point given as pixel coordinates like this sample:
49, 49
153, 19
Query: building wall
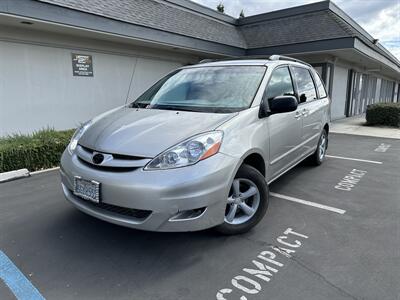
339, 92
38, 89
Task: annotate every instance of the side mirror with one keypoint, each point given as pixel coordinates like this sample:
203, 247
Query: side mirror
282, 104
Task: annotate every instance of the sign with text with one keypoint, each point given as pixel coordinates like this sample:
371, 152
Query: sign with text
82, 65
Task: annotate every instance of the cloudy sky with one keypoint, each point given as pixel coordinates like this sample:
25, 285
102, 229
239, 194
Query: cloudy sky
381, 18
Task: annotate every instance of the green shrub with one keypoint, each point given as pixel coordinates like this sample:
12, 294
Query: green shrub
387, 114
37, 151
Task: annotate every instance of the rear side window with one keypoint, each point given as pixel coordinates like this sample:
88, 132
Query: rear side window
280, 83
320, 85
305, 84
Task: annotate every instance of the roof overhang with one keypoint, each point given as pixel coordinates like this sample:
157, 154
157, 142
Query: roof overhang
349, 49
53, 18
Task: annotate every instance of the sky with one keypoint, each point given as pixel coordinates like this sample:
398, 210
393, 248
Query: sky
380, 18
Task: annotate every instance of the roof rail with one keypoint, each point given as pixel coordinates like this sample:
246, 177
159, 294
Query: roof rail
270, 57
208, 60
282, 57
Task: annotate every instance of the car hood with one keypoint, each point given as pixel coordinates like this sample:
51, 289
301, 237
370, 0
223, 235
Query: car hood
147, 132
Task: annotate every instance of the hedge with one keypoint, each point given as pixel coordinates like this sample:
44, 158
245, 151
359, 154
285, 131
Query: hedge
37, 151
387, 114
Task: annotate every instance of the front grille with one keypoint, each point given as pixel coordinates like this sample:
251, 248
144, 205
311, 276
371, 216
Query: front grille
115, 155
129, 212
107, 168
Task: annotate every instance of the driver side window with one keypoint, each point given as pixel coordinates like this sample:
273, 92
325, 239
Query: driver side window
280, 84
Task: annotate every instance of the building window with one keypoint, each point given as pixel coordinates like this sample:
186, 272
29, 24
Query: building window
368, 89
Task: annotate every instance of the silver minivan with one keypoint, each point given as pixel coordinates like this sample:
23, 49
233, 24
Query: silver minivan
199, 148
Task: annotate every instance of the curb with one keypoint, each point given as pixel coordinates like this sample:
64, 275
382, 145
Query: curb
22, 173
44, 171
8, 176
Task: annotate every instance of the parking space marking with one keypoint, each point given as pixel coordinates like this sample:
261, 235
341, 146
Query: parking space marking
382, 147
19, 285
264, 267
355, 159
350, 180
309, 203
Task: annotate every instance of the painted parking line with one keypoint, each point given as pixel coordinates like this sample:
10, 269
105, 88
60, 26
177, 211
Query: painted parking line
355, 159
382, 148
309, 203
19, 285
263, 268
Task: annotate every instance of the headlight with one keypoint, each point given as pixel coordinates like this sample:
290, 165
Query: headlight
77, 135
188, 152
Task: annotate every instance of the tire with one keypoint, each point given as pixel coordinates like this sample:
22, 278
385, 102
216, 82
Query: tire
248, 180
317, 158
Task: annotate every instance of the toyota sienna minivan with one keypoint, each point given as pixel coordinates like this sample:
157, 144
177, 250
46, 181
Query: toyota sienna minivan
199, 148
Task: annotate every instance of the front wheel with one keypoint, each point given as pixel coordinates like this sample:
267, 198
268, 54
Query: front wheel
247, 201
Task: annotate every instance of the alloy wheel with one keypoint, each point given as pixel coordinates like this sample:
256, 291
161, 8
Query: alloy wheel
243, 201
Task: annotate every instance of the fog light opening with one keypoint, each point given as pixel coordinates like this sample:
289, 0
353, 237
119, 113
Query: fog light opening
186, 215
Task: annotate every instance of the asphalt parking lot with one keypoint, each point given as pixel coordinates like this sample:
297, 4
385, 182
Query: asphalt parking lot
331, 232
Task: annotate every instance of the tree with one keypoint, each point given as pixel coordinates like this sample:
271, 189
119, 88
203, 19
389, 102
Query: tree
221, 7
241, 14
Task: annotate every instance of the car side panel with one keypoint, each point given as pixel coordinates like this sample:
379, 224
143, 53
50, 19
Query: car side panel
313, 122
284, 140
246, 134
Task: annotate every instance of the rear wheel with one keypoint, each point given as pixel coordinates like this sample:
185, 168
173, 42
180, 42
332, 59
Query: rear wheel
319, 155
247, 201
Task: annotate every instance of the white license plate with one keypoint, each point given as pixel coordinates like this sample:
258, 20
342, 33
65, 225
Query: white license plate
87, 189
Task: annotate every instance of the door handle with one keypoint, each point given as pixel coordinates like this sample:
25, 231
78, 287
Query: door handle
305, 112
297, 115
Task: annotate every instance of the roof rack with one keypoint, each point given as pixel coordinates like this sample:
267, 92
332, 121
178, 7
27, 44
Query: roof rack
209, 60
270, 57
282, 57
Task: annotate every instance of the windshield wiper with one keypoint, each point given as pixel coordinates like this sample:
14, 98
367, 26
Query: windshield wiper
198, 109
134, 105
137, 105
180, 108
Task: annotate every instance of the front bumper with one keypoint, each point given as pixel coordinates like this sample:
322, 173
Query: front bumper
156, 197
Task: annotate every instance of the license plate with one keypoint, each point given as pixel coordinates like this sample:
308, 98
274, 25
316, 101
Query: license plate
87, 189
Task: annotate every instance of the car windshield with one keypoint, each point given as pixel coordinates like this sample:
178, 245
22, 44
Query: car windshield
205, 89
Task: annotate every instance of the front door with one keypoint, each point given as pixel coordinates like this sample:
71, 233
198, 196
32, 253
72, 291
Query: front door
284, 129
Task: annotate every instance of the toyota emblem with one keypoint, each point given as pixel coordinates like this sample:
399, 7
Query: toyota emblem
98, 158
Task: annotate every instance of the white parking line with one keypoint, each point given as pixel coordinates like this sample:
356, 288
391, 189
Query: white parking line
355, 159
309, 203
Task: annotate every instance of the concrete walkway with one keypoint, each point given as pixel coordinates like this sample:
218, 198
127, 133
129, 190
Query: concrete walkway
356, 126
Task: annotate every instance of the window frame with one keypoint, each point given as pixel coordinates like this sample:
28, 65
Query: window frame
297, 90
314, 75
269, 79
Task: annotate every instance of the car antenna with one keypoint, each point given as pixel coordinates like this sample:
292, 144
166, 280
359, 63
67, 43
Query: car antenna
130, 83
